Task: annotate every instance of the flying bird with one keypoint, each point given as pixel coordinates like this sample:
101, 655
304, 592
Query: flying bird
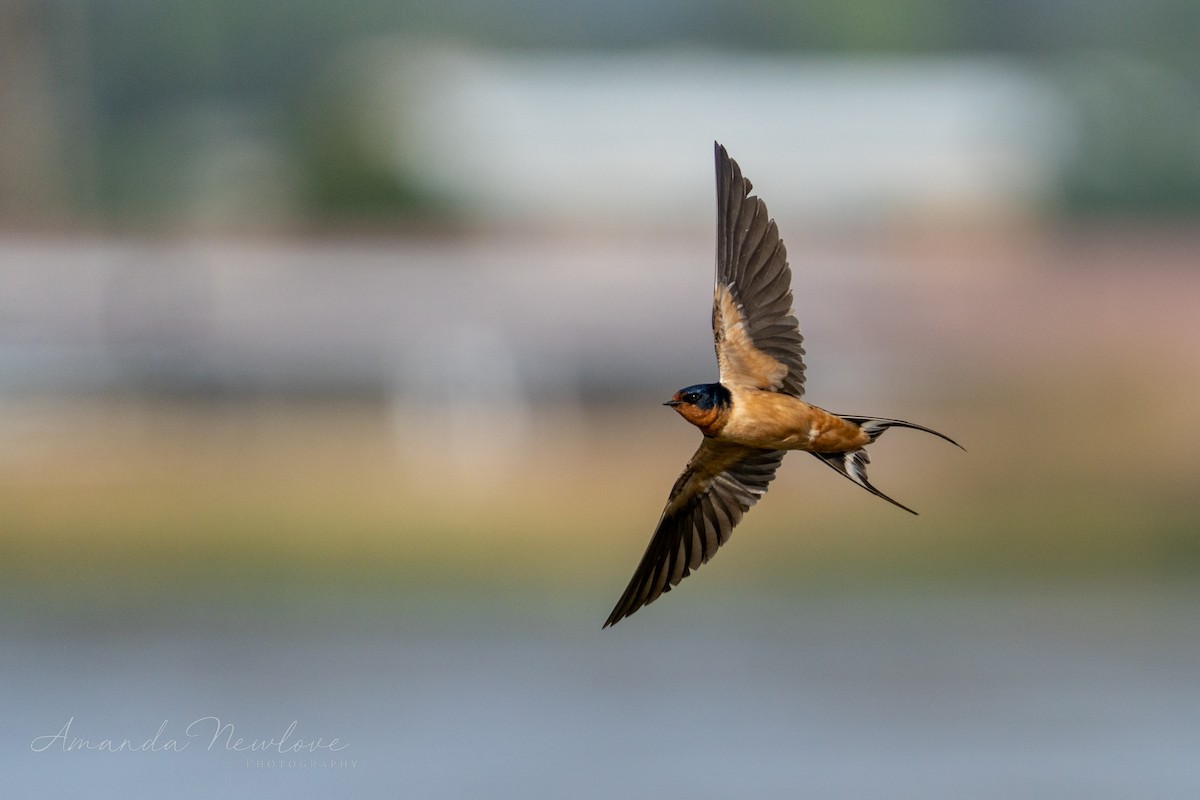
753, 415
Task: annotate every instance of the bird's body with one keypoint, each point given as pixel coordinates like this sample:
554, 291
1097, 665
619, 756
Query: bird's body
754, 414
774, 421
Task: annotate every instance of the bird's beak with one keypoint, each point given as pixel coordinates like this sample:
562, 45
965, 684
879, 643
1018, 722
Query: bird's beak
673, 402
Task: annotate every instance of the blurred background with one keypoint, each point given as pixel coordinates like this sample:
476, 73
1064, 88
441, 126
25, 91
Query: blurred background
333, 340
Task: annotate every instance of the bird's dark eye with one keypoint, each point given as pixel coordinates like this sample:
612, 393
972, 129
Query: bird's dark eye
691, 397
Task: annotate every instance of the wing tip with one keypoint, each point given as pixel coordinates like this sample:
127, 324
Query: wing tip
728, 171
623, 609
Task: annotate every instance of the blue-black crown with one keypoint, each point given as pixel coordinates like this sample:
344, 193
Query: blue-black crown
707, 395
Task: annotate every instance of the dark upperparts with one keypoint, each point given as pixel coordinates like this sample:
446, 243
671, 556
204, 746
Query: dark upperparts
704, 396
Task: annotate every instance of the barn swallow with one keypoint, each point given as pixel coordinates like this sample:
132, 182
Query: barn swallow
753, 415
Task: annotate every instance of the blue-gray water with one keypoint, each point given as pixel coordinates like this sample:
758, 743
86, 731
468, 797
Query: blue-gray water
1065, 693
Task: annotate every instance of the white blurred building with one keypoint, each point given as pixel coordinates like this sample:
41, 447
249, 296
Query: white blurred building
626, 139
562, 143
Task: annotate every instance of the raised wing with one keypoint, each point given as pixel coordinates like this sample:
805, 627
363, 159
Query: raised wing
757, 337
720, 483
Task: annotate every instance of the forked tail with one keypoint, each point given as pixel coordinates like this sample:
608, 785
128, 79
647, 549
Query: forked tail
853, 463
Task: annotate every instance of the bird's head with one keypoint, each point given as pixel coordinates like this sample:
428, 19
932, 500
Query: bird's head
705, 405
